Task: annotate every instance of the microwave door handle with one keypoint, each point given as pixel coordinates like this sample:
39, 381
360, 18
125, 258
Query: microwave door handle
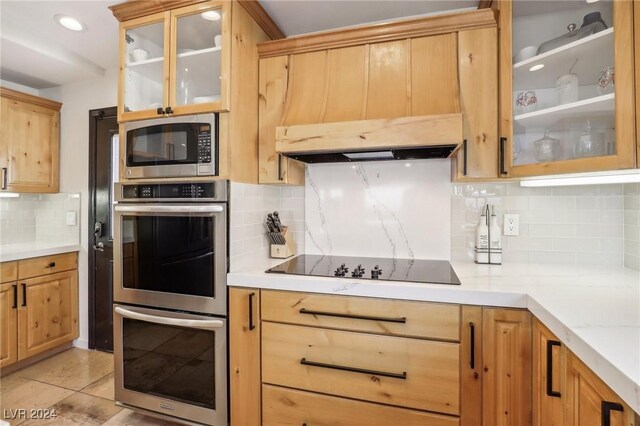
201, 324
154, 208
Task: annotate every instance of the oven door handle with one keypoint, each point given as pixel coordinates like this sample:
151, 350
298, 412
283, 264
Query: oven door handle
155, 208
202, 324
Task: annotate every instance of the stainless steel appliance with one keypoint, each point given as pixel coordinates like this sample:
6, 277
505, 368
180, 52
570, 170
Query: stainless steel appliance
172, 147
384, 269
170, 304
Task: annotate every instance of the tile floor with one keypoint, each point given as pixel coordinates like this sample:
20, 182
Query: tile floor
77, 384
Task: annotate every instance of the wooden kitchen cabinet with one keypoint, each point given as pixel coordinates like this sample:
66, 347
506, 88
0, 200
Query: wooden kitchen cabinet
48, 313
566, 133
431, 67
471, 344
549, 378
29, 143
8, 324
507, 367
38, 306
244, 357
590, 402
170, 62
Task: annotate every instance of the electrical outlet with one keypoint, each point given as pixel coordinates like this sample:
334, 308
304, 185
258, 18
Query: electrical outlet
71, 218
511, 224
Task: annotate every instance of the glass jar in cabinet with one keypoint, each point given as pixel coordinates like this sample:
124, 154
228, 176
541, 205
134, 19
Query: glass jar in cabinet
175, 62
565, 52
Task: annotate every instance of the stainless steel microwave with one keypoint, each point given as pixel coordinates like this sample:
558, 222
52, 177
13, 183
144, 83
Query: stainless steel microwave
172, 147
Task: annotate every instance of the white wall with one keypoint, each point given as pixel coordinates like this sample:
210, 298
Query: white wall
77, 99
19, 87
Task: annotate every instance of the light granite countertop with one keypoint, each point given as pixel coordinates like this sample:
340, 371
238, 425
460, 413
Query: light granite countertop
594, 310
9, 252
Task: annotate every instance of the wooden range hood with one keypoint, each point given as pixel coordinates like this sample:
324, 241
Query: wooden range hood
401, 92
405, 138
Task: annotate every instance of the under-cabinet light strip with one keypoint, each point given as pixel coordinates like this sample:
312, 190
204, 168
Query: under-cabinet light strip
626, 176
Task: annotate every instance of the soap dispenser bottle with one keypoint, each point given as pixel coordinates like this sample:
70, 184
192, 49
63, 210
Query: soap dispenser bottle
482, 238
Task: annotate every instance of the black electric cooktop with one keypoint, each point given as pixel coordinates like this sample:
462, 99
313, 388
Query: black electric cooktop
412, 270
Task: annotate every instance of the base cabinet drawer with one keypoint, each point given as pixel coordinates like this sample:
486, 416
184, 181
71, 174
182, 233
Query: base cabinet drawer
398, 371
396, 317
47, 265
296, 408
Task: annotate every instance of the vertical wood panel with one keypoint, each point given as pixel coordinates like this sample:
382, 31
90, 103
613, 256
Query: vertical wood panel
8, 326
507, 367
505, 21
244, 358
307, 85
346, 84
471, 378
387, 90
434, 75
478, 67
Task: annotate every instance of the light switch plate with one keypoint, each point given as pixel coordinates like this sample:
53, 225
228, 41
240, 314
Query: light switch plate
511, 224
72, 218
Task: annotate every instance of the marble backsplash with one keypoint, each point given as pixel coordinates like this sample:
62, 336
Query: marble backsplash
379, 209
39, 218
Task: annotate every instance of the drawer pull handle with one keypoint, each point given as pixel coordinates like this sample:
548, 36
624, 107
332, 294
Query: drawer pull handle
606, 408
402, 376
51, 265
550, 391
15, 296
401, 320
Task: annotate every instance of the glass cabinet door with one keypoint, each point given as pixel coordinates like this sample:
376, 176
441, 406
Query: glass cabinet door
199, 58
572, 82
144, 66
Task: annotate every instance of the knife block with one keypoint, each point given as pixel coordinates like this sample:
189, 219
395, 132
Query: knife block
282, 251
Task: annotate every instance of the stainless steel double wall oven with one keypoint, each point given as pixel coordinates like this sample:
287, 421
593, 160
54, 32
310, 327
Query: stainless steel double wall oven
170, 303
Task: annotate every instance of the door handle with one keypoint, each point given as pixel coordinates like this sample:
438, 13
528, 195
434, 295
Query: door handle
472, 344
605, 410
15, 296
251, 323
503, 142
464, 157
190, 323
550, 391
99, 246
24, 294
4, 178
168, 110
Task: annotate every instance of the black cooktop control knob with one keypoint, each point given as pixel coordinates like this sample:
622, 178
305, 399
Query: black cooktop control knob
358, 272
375, 272
341, 271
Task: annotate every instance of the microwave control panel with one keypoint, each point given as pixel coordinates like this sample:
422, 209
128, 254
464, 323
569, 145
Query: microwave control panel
176, 191
204, 144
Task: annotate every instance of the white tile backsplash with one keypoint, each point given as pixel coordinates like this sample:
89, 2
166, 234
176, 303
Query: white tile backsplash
575, 225
39, 218
379, 209
248, 208
631, 220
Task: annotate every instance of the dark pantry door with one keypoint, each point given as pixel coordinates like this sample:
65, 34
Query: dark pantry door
103, 148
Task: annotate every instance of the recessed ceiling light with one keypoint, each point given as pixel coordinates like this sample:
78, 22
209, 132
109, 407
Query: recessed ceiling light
211, 15
69, 23
536, 67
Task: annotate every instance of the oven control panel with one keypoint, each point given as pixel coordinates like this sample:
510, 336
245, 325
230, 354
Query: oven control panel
173, 191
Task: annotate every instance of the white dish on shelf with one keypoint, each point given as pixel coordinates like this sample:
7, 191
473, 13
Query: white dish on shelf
525, 53
205, 99
140, 54
181, 51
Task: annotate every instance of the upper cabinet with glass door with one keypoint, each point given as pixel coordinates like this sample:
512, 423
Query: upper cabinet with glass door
567, 86
175, 62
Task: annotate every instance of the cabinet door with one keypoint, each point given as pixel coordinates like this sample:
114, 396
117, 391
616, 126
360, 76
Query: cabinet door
30, 141
560, 109
273, 83
8, 324
244, 356
48, 312
549, 384
200, 58
507, 367
144, 67
478, 70
590, 402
